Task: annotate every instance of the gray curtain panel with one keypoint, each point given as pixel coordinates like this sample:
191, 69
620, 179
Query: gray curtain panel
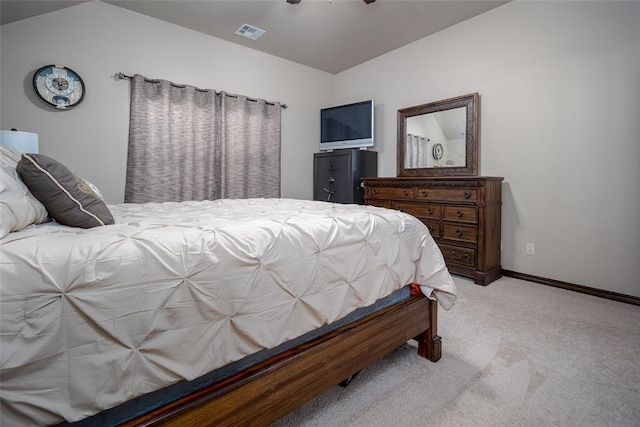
191, 144
249, 148
415, 152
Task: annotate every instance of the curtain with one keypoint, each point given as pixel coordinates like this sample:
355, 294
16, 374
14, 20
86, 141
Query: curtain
416, 151
250, 148
191, 144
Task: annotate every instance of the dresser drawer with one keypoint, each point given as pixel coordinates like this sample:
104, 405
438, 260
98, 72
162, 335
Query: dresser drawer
391, 193
434, 228
447, 194
381, 203
462, 233
456, 255
461, 213
419, 210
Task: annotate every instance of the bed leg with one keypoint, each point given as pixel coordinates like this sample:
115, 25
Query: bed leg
344, 383
429, 348
429, 343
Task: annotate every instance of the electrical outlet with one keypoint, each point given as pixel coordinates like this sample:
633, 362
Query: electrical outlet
531, 249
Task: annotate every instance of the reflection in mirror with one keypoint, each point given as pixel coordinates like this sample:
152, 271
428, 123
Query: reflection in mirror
436, 140
439, 138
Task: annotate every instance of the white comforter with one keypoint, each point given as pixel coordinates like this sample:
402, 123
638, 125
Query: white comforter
92, 318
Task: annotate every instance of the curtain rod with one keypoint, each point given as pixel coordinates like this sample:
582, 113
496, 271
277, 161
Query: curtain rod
123, 76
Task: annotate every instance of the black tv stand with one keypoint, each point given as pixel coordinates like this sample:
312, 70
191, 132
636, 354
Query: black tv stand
337, 174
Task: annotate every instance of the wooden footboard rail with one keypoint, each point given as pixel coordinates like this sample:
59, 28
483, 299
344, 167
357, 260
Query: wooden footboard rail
260, 395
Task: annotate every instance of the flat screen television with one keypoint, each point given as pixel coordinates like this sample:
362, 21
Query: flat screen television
347, 126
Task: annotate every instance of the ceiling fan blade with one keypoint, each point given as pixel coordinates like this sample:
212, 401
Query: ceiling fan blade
298, 1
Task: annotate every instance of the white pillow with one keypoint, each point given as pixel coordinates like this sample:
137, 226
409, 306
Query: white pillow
18, 207
9, 156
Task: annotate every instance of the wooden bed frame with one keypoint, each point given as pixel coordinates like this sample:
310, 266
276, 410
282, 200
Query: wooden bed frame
264, 393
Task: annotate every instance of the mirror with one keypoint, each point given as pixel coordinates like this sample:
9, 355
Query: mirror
439, 138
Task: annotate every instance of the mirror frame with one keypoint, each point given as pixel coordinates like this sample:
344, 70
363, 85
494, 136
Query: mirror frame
471, 152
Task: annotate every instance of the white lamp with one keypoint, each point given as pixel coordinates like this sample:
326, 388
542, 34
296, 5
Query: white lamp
22, 142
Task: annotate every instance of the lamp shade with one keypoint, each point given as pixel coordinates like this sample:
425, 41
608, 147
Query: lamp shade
22, 142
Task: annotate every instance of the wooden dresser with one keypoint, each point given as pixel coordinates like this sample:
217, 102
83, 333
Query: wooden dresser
462, 213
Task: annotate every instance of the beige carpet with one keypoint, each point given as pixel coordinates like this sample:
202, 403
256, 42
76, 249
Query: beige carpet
515, 353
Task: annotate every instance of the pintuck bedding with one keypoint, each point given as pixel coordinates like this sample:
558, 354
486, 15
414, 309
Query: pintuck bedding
92, 318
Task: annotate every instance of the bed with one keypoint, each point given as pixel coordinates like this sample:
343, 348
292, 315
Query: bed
214, 312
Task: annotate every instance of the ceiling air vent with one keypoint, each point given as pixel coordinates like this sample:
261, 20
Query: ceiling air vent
249, 31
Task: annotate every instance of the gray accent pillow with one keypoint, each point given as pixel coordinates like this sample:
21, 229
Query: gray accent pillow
67, 198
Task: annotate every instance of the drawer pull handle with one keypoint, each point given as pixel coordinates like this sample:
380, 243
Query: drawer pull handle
400, 208
424, 192
429, 211
458, 232
405, 192
430, 229
456, 256
467, 195
375, 191
459, 213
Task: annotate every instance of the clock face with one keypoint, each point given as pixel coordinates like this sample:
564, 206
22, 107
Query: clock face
59, 87
438, 151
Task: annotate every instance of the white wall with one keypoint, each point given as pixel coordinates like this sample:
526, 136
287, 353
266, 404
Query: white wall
559, 86
97, 40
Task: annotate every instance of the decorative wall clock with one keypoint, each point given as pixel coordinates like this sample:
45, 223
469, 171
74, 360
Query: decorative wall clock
437, 151
59, 87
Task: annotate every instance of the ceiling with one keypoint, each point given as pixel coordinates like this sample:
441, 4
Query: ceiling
329, 35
